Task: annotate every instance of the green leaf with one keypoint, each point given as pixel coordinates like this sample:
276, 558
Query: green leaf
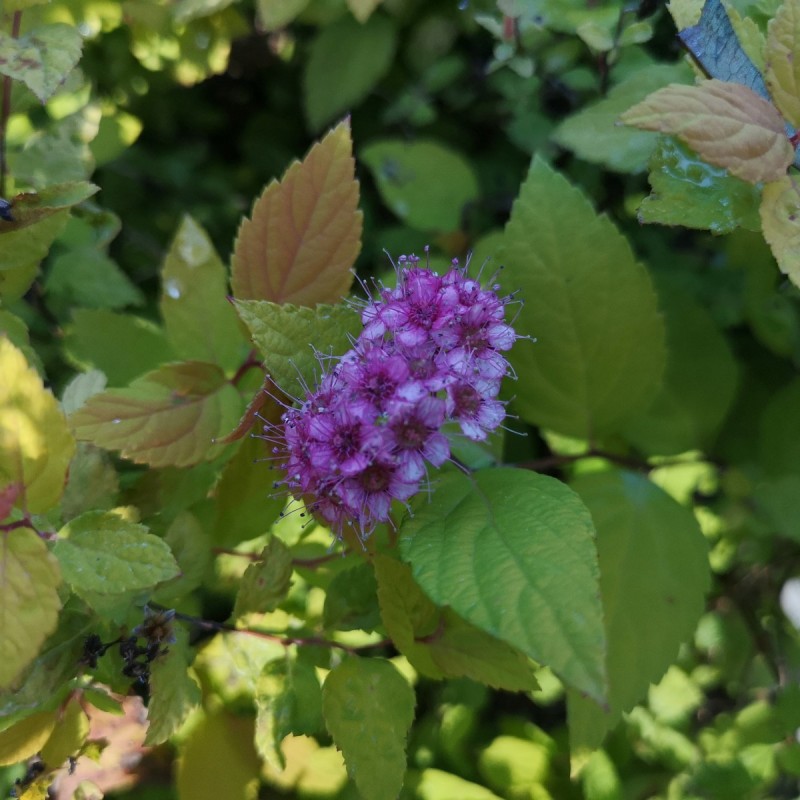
699, 384
513, 765
426, 184
27, 247
369, 707
779, 203
41, 59
24, 739
191, 546
199, 320
654, 575
86, 277
593, 133
185, 11
103, 552
246, 501
285, 333
779, 440
92, 483
288, 701
276, 14
351, 600
120, 345
35, 443
265, 582
218, 739
513, 553
690, 192
69, 735
438, 642
29, 602
435, 784
777, 499
172, 416
599, 356
333, 85
173, 692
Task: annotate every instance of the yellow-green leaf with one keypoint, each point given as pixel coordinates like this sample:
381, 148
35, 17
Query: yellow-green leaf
783, 60
26, 738
35, 444
780, 223
362, 9
305, 232
69, 735
726, 123
275, 14
265, 582
169, 417
29, 602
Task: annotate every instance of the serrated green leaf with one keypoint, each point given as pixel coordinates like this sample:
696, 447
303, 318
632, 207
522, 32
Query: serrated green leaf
245, 498
351, 601
31, 208
103, 552
288, 701
173, 692
285, 333
368, 701
173, 416
513, 553
333, 85
426, 184
438, 642
199, 320
191, 546
688, 191
265, 582
599, 355
99, 339
654, 575
29, 601
41, 59
24, 249
16, 331
593, 133
699, 384
780, 203
35, 444
82, 386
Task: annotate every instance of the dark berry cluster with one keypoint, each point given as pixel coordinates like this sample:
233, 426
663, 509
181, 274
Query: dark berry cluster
431, 351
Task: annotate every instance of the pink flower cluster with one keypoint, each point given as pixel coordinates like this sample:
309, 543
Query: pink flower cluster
430, 352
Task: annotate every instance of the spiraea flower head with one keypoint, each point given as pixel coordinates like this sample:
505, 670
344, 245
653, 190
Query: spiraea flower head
430, 352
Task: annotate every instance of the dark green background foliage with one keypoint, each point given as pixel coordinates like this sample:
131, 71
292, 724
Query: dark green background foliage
595, 612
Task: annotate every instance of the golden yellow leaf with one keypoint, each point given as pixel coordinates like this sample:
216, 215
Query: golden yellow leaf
780, 223
35, 444
782, 73
727, 124
26, 737
304, 233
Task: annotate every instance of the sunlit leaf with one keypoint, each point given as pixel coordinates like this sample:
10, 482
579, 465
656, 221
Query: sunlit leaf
290, 336
265, 582
25, 738
105, 553
29, 601
653, 587
726, 123
513, 553
362, 9
41, 59
35, 443
780, 223
200, 322
367, 700
169, 417
304, 233
783, 47
32, 207
69, 735
599, 353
